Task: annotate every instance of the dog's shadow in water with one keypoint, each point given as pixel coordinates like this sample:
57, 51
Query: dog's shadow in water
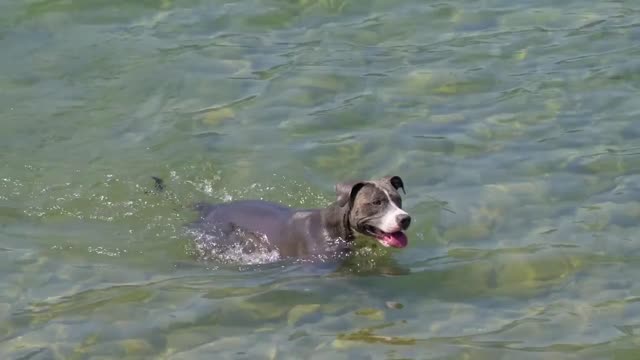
369, 261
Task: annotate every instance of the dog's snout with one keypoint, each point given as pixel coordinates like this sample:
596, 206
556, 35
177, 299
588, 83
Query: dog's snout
404, 220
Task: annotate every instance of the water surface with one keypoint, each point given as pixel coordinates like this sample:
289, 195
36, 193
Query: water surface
513, 124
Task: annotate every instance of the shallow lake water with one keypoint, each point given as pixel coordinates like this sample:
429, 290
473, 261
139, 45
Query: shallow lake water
514, 125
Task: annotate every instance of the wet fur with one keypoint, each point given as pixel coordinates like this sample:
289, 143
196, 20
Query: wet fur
302, 233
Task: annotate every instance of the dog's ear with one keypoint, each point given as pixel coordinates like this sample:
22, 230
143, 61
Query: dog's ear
396, 182
347, 191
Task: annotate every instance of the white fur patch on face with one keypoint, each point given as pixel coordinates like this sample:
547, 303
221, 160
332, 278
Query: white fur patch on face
388, 222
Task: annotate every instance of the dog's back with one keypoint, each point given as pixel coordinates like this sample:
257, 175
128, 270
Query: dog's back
250, 224
250, 215
271, 227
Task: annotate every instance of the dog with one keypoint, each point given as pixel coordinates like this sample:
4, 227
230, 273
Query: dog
368, 207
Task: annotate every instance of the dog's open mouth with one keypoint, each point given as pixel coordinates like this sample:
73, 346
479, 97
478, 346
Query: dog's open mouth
397, 239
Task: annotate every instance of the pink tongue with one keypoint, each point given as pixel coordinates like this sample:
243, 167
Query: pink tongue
396, 239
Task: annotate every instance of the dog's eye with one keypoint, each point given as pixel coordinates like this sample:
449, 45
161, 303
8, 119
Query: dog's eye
377, 202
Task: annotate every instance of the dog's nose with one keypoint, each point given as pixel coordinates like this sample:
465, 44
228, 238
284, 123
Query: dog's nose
404, 220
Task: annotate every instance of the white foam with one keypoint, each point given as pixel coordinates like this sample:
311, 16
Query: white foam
244, 249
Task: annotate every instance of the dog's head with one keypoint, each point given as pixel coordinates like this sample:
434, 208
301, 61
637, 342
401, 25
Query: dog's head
375, 209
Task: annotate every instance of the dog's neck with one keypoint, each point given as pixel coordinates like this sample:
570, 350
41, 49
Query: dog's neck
335, 220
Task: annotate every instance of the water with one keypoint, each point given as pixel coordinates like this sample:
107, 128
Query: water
513, 124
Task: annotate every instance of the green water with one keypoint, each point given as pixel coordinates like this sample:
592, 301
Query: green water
514, 125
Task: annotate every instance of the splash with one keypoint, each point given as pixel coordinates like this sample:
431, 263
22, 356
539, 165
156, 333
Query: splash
238, 247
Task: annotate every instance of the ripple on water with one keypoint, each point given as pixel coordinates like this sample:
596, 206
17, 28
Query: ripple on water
521, 116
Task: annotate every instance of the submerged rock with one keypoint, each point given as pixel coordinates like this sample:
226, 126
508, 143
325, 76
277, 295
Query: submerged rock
299, 313
371, 313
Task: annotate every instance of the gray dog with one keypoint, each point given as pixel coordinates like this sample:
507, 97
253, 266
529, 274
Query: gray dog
372, 208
